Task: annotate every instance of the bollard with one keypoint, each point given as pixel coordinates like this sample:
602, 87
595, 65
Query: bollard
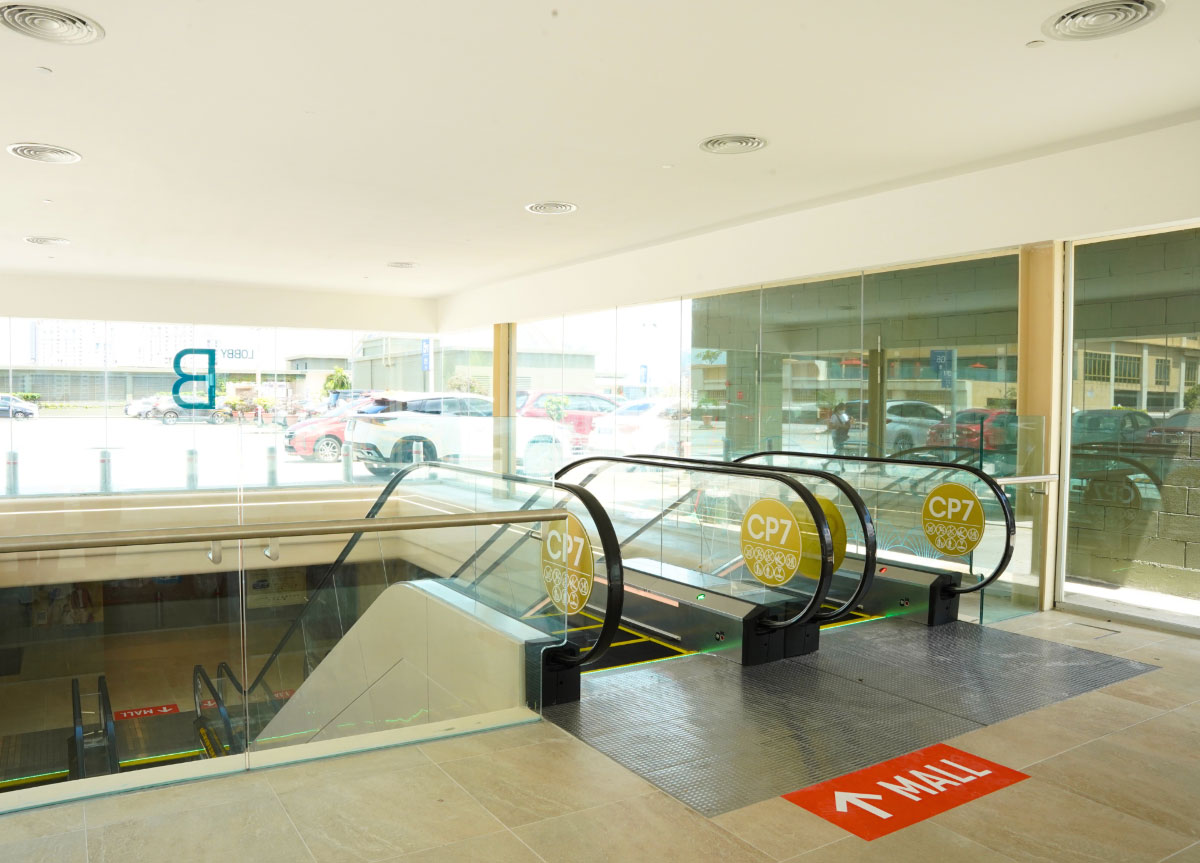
105, 471
272, 466
347, 464
193, 470
11, 487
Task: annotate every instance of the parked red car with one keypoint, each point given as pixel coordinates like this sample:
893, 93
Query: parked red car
579, 411
321, 438
999, 429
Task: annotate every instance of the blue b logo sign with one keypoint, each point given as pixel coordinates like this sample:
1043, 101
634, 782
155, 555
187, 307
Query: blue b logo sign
209, 378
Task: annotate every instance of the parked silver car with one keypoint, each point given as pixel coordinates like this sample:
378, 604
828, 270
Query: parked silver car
907, 423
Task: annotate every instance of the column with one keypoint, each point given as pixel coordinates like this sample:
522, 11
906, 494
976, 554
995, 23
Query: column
1040, 360
504, 396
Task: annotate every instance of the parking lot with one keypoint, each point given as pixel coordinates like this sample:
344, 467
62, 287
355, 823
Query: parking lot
63, 454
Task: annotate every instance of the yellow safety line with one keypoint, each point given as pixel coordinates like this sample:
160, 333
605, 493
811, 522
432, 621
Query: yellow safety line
631, 641
854, 620
154, 759
647, 637
576, 628
41, 777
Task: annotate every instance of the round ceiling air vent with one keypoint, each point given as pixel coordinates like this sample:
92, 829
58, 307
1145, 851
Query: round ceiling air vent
44, 153
50, 25
402, 265
1102, 19
729, 145
47, 241
551, 208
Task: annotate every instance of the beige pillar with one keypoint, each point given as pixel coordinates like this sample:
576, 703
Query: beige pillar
504, 396
1039, 394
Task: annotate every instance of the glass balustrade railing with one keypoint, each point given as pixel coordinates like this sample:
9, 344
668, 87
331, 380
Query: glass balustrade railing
146, 655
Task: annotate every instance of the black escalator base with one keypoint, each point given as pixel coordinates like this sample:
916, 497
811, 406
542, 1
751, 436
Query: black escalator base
772, 645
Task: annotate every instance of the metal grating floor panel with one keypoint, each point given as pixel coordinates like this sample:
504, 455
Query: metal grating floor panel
719, 736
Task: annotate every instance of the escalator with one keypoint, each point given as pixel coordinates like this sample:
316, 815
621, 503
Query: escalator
923, 570
688, 587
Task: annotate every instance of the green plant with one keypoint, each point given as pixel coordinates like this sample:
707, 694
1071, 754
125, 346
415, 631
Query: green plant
337, 380
1191, 397
556, 407
265, 403
29, 397
460, 383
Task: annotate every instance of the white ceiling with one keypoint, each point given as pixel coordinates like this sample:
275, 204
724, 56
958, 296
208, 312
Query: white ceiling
308, 143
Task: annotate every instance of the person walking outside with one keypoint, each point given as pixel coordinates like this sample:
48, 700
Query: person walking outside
839, 428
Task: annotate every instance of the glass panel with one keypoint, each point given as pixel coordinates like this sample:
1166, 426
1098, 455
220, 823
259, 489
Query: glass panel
1133, 519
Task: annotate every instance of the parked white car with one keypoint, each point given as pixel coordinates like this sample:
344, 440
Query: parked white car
643, 426
449, 427
907, 424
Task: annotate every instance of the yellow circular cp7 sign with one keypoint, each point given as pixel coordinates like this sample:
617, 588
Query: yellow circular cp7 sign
952, 519
568, 568
771, 542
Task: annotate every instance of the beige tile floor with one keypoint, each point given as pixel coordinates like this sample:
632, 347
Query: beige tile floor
1115, 777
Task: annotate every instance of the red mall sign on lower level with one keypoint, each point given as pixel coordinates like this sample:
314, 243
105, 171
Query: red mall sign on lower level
892, 795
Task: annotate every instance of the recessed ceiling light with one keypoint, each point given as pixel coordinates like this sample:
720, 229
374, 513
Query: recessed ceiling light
47, 241
49, 24
47, 201
44, 153
45, 70
551, 208
1035, 43
729, 145
402, 265
1100, 19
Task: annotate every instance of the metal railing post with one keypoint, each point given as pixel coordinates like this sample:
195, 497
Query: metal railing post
272, 466
193, 470
105, 471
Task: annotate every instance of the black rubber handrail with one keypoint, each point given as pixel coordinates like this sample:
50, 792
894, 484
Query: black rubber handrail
1010, 522
856, 503
109, 725
77, 734
608, 541
824, 580
200, 679
225, 672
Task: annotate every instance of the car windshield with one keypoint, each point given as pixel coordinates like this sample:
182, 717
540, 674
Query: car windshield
635, 408
521, 399
973, 417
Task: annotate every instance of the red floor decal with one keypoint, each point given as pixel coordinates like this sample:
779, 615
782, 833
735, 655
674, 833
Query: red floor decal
138, 712
892, 795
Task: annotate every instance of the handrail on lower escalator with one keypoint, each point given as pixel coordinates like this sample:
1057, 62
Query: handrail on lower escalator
109, 726
856, 503
1010, 522
200, 678
224, 672
825, 538
77, 731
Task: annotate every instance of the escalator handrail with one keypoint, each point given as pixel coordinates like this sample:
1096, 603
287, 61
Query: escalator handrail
224, 671
200, 678
109, 724
825, 538
608, 541
77, 734
856, 503
1010, 522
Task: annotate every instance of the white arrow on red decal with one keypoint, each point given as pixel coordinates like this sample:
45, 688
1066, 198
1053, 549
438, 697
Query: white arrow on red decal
843, 799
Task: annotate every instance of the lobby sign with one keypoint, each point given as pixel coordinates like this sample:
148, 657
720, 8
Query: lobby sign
952, 519
898, 793
568, 566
